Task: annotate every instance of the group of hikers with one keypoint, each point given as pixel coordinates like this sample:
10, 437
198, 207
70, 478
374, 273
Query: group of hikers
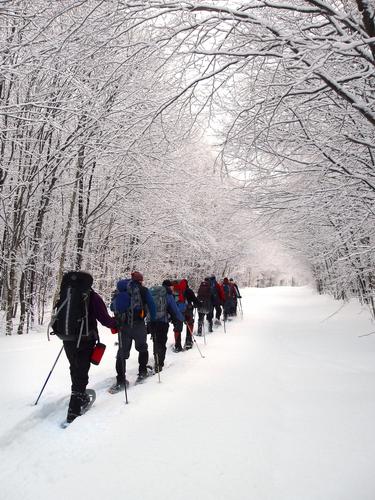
138, 311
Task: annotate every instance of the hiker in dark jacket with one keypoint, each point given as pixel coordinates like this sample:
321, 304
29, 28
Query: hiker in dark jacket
131, 326
230, 297
159, 328
191, 303
236, 298
217, 298
79, 356
205, 306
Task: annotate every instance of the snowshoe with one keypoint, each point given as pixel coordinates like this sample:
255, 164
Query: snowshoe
118, 387
142, 376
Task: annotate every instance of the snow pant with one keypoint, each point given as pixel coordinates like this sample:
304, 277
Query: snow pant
233, 311
189, 318
217, 311
209, 317
228, 308
79, 365
160, 337
177, 328
138, 333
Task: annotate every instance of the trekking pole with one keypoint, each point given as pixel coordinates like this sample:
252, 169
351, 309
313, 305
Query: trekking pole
194, 340
239, 301
204, 332
45, 383
225, 329
123, 367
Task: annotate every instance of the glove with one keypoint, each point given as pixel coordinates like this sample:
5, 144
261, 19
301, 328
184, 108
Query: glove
114, 330
239, 297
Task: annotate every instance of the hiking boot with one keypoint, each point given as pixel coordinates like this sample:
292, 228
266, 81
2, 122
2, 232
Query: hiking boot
70, 417
188, 345
78, 400
217, 322
177, 348
85, 398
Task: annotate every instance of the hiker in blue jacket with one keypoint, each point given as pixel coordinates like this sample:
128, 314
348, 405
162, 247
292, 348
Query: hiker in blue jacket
130, 315
159, 328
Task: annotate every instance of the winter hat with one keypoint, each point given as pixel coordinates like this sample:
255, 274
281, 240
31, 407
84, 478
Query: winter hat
137, 276
226, 281
167, 283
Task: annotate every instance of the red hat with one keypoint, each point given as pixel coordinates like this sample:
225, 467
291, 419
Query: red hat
137, 276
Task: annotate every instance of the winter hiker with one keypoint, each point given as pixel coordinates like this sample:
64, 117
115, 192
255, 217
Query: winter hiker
178, 324
186, 301
166, 308
205, 305
129, 304
229, 298
217, 298
237, 296
75, 322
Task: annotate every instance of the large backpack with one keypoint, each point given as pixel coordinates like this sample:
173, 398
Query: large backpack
204, 296
227, 291
214, 292
159, 294
127, 303
70, 320
228, 297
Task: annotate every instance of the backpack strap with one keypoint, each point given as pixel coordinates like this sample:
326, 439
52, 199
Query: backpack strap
86, 300
53, 317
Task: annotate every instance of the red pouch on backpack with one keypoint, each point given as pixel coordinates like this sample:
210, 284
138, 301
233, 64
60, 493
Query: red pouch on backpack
97, 353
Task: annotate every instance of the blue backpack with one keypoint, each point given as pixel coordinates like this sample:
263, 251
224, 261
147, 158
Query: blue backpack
214, 292
227, 291
127, 303
159, 294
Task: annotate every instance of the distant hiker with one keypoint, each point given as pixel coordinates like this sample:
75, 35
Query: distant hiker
166, 309
178, 323
129, 303
75, 322
237, 297
205, 305
217, 298
186, 301
229, 298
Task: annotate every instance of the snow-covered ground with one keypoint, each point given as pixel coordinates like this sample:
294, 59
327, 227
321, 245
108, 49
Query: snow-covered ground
282, 407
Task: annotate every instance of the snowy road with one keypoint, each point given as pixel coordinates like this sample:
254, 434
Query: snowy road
282, 407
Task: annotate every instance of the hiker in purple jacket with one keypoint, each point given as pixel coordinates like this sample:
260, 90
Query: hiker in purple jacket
79, 356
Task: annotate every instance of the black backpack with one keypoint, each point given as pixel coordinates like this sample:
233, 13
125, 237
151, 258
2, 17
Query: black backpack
70, 317
204, 297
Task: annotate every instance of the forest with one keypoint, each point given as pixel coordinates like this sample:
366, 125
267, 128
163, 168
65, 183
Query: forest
183, 138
